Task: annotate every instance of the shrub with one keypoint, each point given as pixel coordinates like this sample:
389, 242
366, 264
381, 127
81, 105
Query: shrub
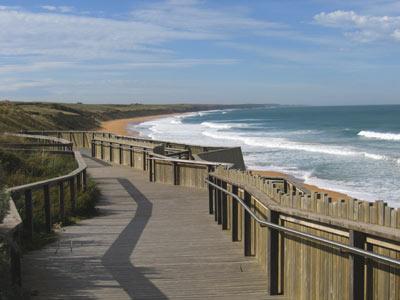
86, 204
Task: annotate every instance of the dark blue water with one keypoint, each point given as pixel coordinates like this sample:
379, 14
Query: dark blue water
350, 149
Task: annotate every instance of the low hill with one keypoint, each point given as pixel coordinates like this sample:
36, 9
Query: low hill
15, 116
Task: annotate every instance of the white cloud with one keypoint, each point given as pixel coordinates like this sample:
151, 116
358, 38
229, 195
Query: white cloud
193, 16
362, 28
13, 84
82, 37
49, 7
61, 9
71, 37
396, 34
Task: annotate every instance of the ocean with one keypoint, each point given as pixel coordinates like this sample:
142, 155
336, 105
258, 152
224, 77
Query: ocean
349, 149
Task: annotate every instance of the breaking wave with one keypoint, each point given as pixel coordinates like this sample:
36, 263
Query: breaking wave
386, 136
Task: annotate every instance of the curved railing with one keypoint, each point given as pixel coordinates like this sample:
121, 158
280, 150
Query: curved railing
12, 226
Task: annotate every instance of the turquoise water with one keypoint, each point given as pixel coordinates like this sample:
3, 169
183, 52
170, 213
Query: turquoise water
352, 149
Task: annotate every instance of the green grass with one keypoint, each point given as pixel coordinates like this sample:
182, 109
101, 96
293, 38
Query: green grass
15, 116
20, 167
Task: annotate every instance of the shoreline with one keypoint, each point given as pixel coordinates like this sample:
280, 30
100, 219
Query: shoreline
120, 127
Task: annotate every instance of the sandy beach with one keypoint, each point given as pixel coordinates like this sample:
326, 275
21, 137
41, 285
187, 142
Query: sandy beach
120, 126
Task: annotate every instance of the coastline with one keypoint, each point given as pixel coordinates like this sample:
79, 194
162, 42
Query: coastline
120, 127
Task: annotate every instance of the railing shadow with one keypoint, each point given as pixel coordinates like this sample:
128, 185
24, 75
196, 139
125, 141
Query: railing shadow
117, 258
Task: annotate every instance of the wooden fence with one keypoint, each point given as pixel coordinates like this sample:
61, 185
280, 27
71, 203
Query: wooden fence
13, 227
160, 168
304, 269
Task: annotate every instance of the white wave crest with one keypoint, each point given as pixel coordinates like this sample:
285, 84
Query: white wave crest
216, 125
387, 136
176, 121
280, 143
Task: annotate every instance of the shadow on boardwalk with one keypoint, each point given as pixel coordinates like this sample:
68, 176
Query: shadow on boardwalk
117, 258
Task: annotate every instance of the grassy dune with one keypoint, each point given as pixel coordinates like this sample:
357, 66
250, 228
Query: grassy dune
16, 116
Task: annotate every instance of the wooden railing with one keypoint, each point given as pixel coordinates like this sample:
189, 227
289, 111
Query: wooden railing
76, 180
12, 227
160, 168
302, 268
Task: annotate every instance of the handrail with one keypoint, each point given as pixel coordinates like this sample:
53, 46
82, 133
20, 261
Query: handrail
264, 223
186, 161
119, 145
38, 184
41, 137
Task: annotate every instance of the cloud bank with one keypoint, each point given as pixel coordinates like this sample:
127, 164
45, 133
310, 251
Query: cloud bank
362, 28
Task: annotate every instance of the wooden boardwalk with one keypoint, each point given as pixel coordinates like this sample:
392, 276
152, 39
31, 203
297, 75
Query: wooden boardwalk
151, 241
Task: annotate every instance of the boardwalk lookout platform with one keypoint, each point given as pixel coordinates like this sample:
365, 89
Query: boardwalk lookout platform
188, 222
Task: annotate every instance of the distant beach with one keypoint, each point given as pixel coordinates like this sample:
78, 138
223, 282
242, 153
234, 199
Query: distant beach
121, 126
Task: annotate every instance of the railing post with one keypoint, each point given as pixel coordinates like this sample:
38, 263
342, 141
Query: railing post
121, 160
356, 266
235, 216
247, 225
272, 254
62, 203
144, 160
210, 196
131, 160
216, 195
219, 203
28, 214
224, 206
84, 180
151, 162
78, 183
93, 149
72, 189
111, 152
47, 208
175, 173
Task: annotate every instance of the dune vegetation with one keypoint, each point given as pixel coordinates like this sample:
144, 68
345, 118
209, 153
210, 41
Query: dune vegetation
15, 116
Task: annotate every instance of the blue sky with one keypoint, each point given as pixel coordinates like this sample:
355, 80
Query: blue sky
316, 52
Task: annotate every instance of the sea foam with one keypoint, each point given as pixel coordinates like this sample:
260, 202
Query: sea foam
387, 136
216, 125
281, 143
